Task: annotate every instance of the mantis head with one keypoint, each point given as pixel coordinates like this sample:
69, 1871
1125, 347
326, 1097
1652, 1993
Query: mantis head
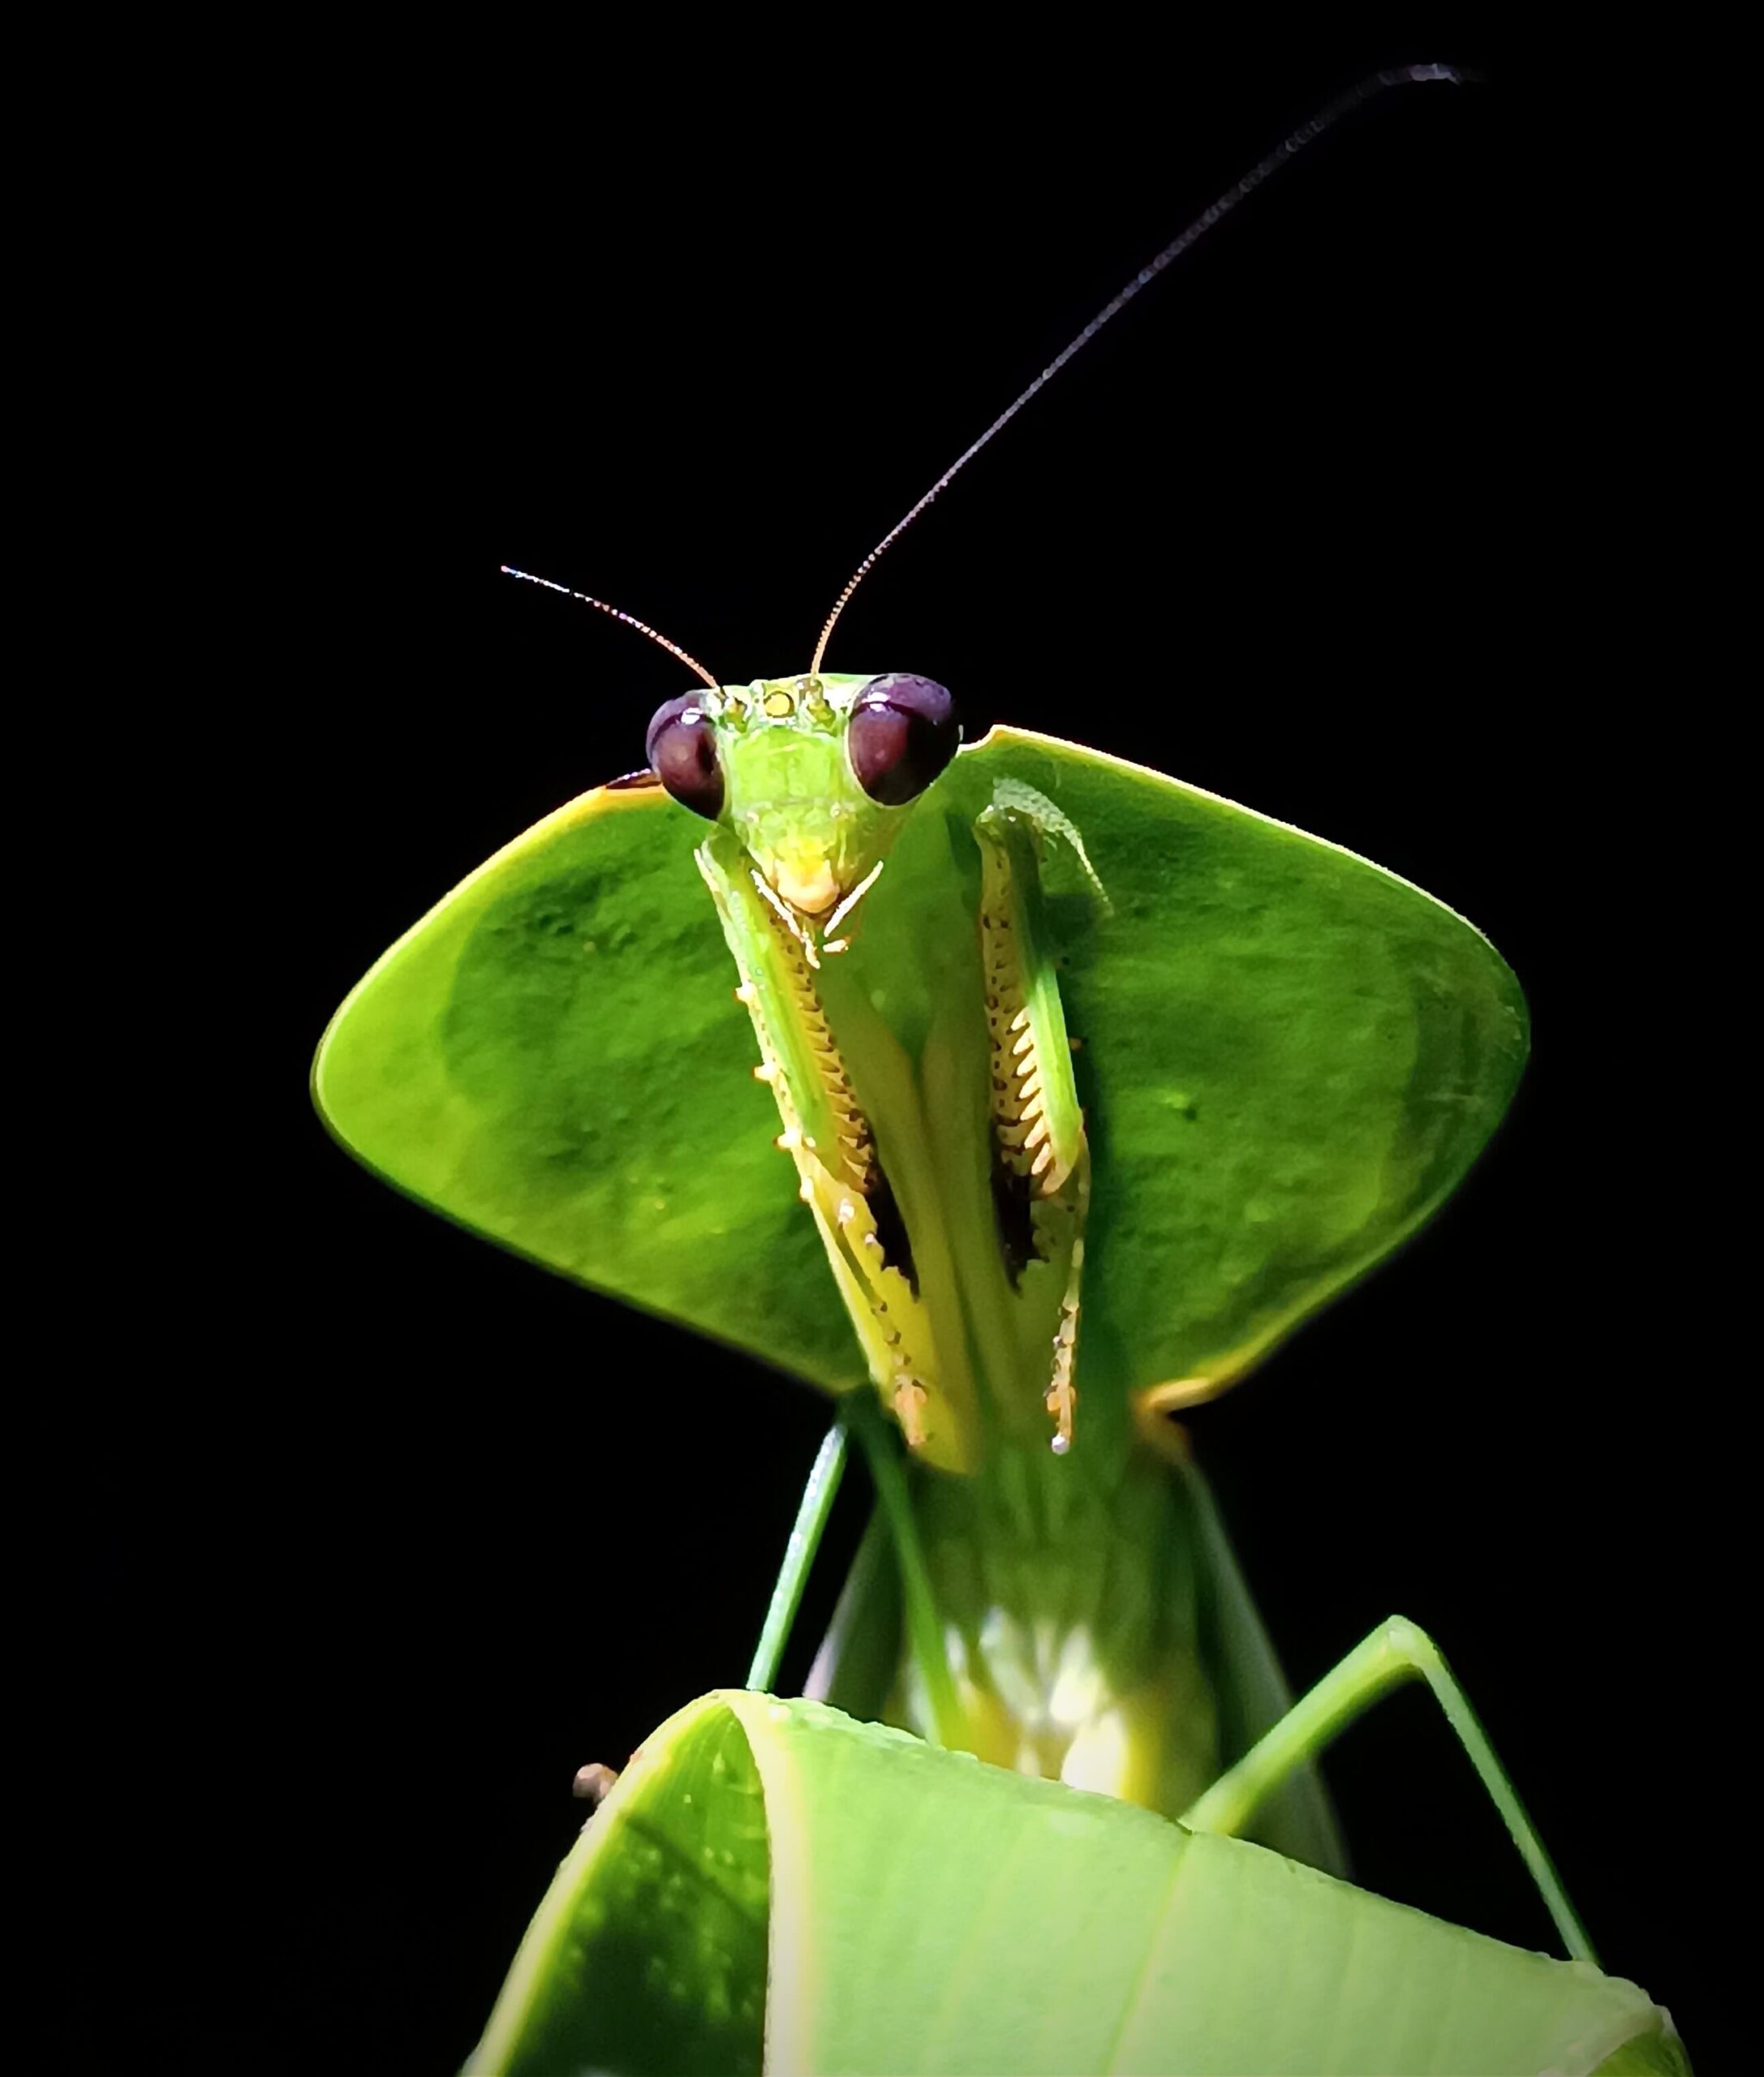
813, 776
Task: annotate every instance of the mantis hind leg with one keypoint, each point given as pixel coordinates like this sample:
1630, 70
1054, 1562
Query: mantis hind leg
812, 1511
1396, 1651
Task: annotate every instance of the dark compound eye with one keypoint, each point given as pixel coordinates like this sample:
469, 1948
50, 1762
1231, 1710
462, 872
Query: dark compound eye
902, 732
683, 752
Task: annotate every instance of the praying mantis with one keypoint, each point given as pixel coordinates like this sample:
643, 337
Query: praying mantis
1026, 1257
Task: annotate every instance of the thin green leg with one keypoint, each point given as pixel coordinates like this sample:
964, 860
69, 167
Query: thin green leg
924, 1633
1397, 1651
811, 1513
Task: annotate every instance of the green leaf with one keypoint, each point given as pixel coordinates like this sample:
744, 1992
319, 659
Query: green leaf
771, 1885
1290, 1058
648, 1953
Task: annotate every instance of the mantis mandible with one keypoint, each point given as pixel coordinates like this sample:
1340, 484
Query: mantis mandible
1040, 1255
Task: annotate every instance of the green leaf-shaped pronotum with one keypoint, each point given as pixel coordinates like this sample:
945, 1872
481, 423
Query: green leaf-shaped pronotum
1289, 1058
771, 1886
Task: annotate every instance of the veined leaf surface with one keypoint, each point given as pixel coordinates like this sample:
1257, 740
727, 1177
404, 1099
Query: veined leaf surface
771, 1886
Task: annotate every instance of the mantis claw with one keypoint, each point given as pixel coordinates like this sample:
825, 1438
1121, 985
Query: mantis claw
909, 1410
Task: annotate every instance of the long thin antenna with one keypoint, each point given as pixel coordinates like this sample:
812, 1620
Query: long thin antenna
1307, 133
630, 619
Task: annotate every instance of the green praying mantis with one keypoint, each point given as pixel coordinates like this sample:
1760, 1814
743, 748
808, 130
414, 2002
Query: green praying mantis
1018, 1096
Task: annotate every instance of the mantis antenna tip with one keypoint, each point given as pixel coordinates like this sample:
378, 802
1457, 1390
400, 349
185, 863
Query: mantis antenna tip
1307, 133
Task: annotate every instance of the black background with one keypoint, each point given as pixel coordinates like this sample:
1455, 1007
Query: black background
397, 1531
